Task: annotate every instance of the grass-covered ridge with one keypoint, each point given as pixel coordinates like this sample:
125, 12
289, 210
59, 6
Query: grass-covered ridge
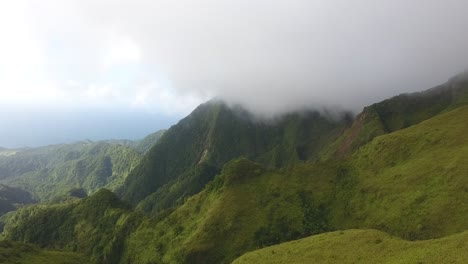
399, 112
413, 182
362, 246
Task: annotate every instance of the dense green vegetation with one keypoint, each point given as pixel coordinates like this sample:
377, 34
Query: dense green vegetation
191, 153
15, 253
362, 246
95, 226
11, 198
50, 172
413, 187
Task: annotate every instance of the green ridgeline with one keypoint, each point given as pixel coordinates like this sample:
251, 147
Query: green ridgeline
397, 113
192, 152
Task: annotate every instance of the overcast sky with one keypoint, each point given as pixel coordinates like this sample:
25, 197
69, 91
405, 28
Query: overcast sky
163, 58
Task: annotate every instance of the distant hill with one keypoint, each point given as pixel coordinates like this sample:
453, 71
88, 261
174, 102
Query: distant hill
51, 171
7, 152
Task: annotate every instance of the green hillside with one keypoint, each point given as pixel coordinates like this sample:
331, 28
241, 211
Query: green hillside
399, 112
191, 153
248, 206
95, 226
362, 246
50, 172
414, 188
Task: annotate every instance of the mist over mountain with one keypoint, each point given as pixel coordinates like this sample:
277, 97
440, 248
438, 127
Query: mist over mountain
270, 56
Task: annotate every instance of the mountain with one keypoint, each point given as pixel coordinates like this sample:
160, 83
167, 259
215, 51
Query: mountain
50, 172
192, 152
222, 183
414, 187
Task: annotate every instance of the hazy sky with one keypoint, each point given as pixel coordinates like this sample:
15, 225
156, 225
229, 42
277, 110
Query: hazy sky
162, 58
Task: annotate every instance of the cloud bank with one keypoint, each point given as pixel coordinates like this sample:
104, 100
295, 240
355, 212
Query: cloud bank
271, 56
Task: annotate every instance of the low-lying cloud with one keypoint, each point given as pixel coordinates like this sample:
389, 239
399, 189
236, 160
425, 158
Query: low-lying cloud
271, 56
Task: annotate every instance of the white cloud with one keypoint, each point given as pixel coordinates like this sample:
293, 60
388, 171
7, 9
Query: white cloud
273, 55
121, 50
152, 96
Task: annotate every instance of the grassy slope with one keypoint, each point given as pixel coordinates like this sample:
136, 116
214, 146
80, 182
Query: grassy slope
399, 112
218, 224
14, 253
362, 246
411, 181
